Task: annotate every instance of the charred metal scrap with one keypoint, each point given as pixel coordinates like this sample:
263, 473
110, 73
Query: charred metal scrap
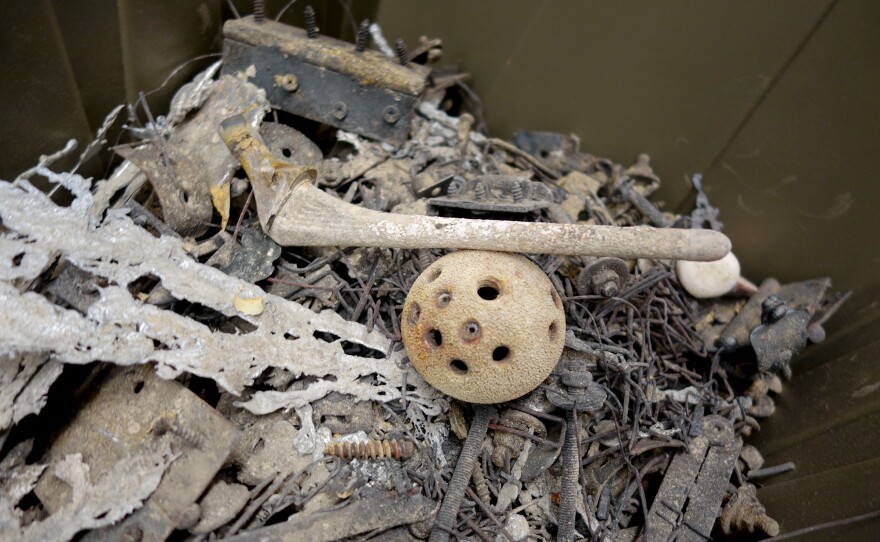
232, 336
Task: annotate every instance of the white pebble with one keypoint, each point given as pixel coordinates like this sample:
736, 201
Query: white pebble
708, 279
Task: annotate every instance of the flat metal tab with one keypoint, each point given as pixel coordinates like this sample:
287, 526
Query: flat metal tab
689, 499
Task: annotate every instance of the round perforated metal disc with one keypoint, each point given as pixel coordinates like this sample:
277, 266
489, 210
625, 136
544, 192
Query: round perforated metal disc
483, 327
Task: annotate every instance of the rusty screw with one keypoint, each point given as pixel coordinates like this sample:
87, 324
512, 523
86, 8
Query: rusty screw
311, 22
464, 470
360, 45
371, 449
259, 11
402, 53
170, 424
565, 518
479, 191
516, 192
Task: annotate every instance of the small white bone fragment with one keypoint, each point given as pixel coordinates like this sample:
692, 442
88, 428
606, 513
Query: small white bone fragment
708, 279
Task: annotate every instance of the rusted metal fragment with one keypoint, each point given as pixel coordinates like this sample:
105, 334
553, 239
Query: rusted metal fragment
704, 502
777, 342
382, 511
689, 499
736, 334
285, 141
186, 167
324, 79
186, 201
134, 411
197, 137
496, 193
745, 513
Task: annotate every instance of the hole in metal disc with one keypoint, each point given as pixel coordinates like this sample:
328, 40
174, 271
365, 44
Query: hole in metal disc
488, 291
554, 329
470, 331
435, 274
443, 299
415, 312
458, 366
501, 353
434, 338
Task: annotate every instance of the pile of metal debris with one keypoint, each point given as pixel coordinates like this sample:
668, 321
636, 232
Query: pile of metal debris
170, 371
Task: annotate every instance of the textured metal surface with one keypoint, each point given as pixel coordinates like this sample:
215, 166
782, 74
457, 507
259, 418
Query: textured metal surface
365, 93
132, 410
496, 193
696, 480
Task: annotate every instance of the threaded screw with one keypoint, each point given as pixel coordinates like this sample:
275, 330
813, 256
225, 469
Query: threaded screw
480, 483
363, 35
169, 424
402, 53
569, 485
371, 449
517, 192
479, 191
311, 22
259, 11
464, 470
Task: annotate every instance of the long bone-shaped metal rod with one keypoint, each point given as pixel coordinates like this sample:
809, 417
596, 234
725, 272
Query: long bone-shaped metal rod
294, 212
